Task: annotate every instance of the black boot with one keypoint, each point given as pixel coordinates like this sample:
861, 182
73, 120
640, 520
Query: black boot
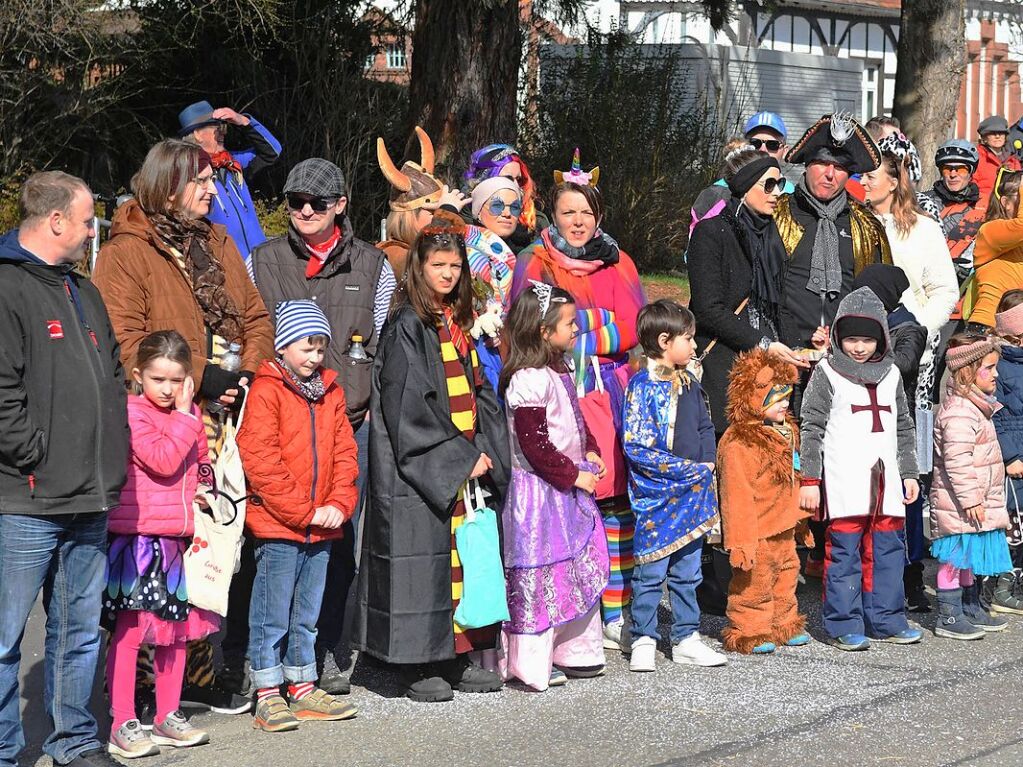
976, 613
331, 680
424, 684
468, 677
952, 622
1006, 593
916, 597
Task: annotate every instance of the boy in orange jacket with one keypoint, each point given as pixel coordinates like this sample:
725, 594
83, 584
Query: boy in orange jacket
758, 461
299, 457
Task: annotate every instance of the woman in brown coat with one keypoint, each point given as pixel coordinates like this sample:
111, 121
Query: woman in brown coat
166, 268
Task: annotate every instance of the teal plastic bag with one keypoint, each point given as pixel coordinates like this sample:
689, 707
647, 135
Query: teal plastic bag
484, 596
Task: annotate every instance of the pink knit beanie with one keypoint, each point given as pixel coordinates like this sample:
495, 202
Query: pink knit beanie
961, 356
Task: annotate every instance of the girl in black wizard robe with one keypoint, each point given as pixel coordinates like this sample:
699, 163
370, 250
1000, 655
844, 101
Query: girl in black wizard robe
434, 424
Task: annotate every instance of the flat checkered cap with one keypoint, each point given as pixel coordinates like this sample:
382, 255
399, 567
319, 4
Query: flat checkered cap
316, 177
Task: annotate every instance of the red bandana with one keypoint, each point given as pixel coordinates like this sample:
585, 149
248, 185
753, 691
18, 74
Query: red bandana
320, 253
223, 159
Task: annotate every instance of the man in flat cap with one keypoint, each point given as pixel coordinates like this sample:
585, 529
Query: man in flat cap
994, 153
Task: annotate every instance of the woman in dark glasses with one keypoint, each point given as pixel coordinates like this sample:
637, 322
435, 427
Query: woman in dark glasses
736, 262
998, 253
496, 207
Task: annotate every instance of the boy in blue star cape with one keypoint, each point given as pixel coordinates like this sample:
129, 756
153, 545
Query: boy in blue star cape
669, 444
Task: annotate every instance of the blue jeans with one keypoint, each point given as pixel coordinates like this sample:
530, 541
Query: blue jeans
683, 573
286, 598
65, 556
343, 559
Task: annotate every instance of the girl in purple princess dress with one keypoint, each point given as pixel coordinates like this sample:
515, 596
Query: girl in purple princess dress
555, 550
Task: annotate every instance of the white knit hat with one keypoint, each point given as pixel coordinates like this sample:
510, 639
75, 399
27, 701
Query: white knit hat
297, 320
487, 188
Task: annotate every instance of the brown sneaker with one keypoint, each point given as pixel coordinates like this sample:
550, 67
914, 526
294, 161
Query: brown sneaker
273, 715
319, 705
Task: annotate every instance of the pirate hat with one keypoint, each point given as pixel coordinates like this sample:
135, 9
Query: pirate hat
839, 139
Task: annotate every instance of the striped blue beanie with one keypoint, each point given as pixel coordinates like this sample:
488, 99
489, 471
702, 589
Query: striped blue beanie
297, 320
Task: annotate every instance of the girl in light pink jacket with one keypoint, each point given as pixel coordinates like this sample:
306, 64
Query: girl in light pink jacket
146, 599
968, 489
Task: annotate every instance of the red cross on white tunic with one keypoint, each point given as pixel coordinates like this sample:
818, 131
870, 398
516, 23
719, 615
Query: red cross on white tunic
873, 407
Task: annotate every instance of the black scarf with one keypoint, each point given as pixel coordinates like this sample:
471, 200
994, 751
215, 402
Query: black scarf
970, 195
759, 237
601, 247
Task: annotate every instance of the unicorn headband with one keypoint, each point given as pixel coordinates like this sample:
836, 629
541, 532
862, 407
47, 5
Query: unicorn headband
545, 294
576, 175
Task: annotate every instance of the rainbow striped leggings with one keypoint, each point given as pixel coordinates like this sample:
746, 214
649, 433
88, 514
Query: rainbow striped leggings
620, 526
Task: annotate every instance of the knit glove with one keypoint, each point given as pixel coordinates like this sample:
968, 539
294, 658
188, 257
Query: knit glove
740, 558
216, 381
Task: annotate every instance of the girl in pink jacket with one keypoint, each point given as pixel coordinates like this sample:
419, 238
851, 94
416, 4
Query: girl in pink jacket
146, 599
968, 489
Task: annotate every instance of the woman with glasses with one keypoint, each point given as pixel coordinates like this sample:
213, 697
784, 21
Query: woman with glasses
496, 207
575, 254
998, 255
736, 263
504, 160
165, 267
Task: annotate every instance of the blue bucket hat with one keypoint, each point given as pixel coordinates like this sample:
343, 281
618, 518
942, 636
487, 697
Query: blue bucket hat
766, 120
195, 116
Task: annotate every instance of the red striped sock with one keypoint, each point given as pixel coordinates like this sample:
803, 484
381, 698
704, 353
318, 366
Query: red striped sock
300, 690
265, 692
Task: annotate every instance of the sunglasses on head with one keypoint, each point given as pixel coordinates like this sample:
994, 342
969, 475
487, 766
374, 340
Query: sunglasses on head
318, 204
771, 144
496, 206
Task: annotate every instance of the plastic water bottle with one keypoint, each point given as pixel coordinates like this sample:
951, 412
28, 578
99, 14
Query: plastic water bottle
232, 363
356, 351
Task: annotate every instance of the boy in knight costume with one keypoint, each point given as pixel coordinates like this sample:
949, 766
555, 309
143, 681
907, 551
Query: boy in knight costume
758, 460
858, 441
829, 237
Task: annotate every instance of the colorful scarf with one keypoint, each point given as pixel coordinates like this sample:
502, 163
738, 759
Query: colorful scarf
311, 388
490, 260
601, 250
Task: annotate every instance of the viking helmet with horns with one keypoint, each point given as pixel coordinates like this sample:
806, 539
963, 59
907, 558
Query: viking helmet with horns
414, 185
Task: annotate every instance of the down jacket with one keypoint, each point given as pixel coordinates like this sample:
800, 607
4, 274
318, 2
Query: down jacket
145, 291
168, 454
968, 468
298, 455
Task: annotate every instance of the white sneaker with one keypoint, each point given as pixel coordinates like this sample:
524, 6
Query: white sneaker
617, 636
692, 651
644, 651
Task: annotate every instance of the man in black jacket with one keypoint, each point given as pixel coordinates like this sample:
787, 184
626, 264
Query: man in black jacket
63, 455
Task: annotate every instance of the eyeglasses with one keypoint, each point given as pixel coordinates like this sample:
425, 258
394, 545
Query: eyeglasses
497, 206
955, 170
772, 145
772, 185
1004, 174
318, 204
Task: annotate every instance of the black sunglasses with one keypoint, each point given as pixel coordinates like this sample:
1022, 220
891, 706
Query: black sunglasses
318, 204
771, 185
772, 145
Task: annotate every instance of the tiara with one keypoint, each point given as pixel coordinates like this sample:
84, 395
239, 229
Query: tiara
545, 294
437, 230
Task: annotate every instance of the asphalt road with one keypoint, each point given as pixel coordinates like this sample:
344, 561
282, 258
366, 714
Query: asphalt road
938, 703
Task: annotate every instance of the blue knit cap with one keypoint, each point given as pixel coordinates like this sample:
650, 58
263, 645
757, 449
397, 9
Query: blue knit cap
297, 320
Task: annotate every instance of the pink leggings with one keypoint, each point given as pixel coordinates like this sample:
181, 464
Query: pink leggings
168, 665
950, 577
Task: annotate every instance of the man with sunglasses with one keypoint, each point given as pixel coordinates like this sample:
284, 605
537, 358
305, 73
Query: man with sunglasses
993, 154
958, 198
232, 206
321, 259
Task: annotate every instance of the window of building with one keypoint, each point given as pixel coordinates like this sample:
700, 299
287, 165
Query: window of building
371, 61
395, 56
870, 104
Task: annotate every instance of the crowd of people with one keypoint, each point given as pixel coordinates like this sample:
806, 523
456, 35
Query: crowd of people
479, 441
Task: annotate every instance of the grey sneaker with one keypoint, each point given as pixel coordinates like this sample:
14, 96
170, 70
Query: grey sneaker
130, 741
177, 732
273, 715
